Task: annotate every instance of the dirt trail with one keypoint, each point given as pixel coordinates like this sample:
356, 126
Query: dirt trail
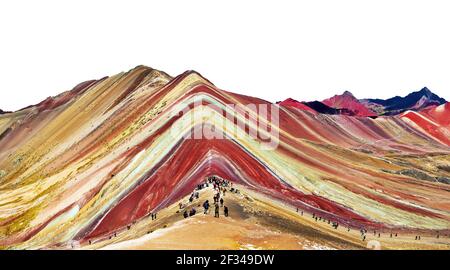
255, 222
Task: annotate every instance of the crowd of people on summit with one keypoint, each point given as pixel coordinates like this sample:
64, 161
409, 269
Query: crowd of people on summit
220, 186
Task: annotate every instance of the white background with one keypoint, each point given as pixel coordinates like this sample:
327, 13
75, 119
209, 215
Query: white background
271, 49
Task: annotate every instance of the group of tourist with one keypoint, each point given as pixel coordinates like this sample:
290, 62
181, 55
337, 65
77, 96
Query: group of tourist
220, 187
362, 230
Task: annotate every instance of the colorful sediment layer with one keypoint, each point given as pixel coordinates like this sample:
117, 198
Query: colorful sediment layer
88, 163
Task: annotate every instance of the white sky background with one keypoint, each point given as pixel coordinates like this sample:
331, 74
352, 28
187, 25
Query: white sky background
306, 50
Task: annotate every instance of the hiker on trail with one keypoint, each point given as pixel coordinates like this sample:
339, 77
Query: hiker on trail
206, 206
364, 238
221, 202
217, 198
225, 211
216, 212
193, 212
185, 214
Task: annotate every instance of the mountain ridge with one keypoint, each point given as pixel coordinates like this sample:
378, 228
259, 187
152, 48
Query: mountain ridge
413, 101
100, 163
348, 104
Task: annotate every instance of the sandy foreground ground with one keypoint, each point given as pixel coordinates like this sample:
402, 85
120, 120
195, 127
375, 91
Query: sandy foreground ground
255, 222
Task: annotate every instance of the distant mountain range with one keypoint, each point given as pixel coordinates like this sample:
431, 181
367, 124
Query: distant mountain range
414, 101
347, 104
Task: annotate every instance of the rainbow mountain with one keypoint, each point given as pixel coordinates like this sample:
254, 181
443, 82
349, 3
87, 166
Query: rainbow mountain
87, 169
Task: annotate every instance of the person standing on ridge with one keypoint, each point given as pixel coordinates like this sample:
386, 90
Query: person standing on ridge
216, 213
206, 206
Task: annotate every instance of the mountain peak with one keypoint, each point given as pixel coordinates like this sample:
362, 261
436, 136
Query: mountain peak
425, 91
290, 102
348, 94
416, 101
348, 102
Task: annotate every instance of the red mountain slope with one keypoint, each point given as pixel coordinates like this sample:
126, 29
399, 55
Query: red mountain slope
348, 101
296, 104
